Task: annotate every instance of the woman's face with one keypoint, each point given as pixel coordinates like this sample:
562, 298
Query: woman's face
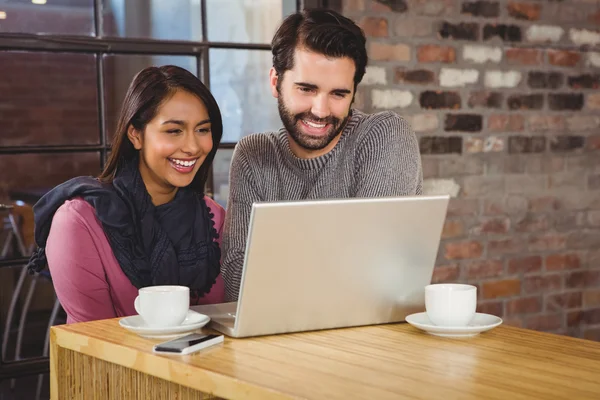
174, 145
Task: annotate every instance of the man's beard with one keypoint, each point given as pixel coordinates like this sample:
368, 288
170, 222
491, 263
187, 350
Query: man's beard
309, 142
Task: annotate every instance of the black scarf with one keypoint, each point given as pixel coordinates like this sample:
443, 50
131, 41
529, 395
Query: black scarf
172, 244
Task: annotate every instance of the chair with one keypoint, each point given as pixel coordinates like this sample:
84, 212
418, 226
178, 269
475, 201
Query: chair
18, 223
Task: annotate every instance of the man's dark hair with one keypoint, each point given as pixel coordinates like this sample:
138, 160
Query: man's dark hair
321, 31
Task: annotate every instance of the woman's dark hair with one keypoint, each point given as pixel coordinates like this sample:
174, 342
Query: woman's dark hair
149, 89
322, 31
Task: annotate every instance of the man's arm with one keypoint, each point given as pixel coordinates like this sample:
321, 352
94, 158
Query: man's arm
242, 194
388, 160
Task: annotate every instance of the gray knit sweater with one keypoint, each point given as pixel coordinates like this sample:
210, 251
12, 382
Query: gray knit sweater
377, 155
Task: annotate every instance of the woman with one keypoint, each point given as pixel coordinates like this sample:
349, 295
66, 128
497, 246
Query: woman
145, 220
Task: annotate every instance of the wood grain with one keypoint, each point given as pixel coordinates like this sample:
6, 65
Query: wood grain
382, 362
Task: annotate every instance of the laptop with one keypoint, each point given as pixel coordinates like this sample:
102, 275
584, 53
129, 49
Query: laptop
323, 264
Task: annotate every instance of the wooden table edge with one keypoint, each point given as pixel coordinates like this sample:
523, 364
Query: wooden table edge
204, 381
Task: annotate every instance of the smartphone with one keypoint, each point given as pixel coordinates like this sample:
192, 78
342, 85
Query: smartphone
188, 344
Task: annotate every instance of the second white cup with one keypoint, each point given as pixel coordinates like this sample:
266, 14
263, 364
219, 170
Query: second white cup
163, 306
450, 304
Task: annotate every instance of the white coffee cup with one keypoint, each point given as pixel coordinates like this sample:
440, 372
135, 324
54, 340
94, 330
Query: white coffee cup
450, 304
163, 306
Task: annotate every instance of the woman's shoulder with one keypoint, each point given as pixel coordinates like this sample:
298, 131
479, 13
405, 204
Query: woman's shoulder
76, 205
77, 210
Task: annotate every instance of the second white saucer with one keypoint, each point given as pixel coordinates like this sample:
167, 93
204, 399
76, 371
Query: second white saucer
480, 323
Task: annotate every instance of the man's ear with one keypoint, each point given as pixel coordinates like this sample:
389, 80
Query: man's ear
134, 137
273, 79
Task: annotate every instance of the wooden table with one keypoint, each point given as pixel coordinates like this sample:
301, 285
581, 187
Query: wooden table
101, 360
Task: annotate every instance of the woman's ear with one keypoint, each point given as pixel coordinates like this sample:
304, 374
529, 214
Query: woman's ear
134, 137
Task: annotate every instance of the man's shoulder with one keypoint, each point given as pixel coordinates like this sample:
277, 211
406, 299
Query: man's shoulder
384, 119
258, 145
382, 125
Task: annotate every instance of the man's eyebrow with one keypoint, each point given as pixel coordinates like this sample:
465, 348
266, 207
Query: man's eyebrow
313, 86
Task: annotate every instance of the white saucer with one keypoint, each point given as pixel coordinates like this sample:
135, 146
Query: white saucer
481, 323
136, 324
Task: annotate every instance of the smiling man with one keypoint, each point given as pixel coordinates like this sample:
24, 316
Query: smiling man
326, 149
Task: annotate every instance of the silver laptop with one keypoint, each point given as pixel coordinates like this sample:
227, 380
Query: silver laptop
324, 264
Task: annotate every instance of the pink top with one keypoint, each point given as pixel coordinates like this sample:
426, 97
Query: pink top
88, 279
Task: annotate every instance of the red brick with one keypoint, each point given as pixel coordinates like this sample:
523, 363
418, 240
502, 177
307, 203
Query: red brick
376, 27
526, 11
547, 322
509, 205
563, 301
593, 142
583, 279
452, 229
484, 269
463, 250
459, 207
506, 123
502, 288
505, 246
445, 273
592, 334
591, 298
533, 223
584, 239
542, 204
524, 305
557, 262
433, 53
563, 58
585, 317
491, 307
594, 18
525, 265
389, 52
546, 123
547, 242
517, 321
387, 6
523, 56
542, 283
492, 225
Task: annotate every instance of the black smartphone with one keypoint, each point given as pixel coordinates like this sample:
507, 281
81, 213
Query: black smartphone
188, 344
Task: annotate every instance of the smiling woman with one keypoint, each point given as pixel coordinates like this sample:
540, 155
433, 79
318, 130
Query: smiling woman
145, 221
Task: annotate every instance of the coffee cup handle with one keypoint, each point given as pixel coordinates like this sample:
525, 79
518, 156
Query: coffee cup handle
136, 304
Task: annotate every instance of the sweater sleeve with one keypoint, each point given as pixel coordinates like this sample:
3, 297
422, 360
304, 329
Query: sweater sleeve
76, 267
242, 194
388, 160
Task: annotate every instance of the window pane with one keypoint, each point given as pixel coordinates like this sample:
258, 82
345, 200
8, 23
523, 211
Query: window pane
69, 17
25, 176
221, 165
245, 21
156, 19
239, 80
48, 98
119, 70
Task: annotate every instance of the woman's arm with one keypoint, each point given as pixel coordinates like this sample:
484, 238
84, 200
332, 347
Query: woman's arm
76, 267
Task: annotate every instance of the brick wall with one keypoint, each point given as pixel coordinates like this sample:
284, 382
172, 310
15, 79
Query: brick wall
503, 96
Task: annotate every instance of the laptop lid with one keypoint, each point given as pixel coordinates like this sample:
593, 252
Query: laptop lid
320, 264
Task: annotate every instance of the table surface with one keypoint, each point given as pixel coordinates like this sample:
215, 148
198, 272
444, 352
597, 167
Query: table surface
374, 362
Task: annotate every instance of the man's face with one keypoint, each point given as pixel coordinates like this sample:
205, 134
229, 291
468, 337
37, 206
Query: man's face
314, 100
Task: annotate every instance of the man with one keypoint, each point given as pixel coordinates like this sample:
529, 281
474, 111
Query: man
326, 149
